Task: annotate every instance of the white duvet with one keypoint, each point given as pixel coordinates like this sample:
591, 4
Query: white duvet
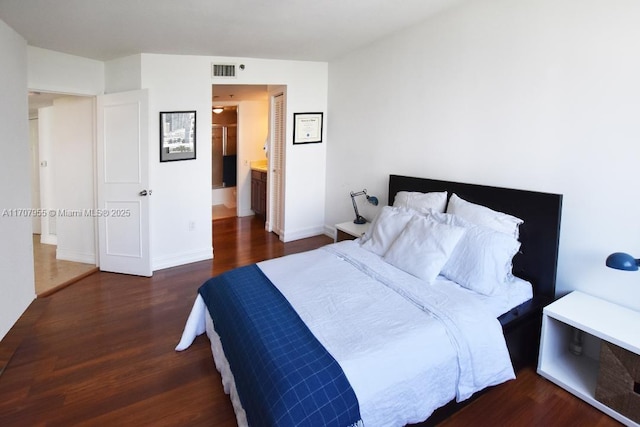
406, 347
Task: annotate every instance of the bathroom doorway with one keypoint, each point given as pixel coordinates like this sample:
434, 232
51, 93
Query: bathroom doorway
224, 159
251, 106
224, 146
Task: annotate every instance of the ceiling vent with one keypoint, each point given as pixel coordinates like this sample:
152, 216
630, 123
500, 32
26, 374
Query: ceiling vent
224, 70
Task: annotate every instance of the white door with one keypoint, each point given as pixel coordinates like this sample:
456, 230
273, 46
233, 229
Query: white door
123, 183
276, 177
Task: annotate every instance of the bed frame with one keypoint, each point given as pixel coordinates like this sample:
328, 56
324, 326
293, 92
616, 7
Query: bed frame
536, 261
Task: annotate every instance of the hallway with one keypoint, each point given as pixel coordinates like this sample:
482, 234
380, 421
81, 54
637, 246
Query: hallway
52, 274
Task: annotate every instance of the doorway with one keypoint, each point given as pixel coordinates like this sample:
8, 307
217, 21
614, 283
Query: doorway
251, 106
224, 160
224, 147
61, 145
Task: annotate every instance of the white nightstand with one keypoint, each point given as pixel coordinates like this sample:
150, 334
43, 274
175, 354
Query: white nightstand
599, 320
349, 231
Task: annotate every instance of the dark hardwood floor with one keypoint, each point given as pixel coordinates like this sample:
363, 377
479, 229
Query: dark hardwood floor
100, 352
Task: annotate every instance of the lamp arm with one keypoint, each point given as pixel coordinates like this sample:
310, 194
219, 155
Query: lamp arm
359, 219
355, 205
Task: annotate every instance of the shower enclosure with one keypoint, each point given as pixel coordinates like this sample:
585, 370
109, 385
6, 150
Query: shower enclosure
224, 148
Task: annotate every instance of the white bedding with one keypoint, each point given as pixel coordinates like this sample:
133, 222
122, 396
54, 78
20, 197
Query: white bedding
406, 347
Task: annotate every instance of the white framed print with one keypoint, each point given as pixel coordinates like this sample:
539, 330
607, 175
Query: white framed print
307, 128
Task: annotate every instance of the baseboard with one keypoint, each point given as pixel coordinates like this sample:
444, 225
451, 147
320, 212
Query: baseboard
83, 257
160, 263
289, 236
48, 239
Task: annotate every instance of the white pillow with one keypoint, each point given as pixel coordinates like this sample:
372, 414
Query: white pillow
423, 247
421, 202
482, 215
385, 228
482, 260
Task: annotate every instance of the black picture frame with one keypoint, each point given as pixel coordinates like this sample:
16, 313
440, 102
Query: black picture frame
307, 128
177, 135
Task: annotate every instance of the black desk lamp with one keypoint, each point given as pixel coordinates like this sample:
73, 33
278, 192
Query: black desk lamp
371, 199
622, 261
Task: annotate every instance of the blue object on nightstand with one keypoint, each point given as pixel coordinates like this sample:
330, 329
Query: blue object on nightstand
371, 199
622, 261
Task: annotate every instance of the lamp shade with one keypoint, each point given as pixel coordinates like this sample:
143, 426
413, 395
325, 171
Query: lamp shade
622, 261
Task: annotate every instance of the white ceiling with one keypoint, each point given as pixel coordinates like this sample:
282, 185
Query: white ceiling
318, 30
277, 29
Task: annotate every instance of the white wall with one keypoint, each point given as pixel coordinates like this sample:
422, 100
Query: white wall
56, 72
304, 179
253, 121
66, 134
535, 94
123, 74
182, 190
51, 71
73, 180
16, 248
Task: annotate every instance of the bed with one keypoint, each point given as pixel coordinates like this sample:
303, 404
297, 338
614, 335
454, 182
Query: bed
367, 333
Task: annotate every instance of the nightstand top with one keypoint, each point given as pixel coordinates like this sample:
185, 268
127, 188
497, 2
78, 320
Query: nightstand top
607, 320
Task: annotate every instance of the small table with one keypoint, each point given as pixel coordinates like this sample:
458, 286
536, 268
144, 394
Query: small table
599, 320
349, 230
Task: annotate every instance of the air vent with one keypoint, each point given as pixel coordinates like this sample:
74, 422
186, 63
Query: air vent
224, 70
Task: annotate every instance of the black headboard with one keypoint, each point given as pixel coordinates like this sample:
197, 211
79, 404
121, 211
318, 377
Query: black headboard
539, 234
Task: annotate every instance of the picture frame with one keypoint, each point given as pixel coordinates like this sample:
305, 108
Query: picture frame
177, 135
307, 128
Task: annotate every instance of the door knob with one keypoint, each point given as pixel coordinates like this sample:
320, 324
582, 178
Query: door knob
143, 193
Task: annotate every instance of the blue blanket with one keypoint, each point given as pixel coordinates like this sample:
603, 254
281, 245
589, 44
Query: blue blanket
283, 374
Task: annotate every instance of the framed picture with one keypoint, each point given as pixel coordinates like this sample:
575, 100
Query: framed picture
177, 135
307, 128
